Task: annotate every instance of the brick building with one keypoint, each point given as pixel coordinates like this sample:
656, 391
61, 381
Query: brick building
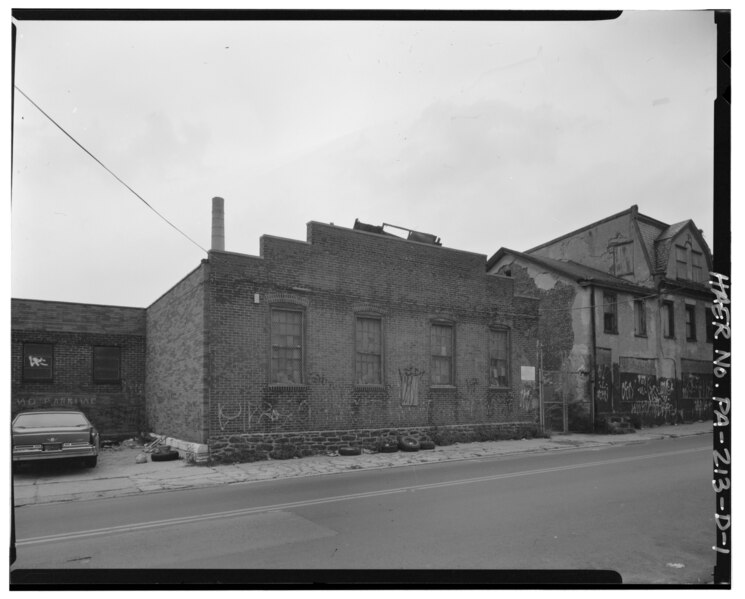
624, 320
81, 356
350, 335
341, 338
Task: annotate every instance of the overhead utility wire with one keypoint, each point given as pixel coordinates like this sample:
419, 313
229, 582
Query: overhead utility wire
56, 124
616, 303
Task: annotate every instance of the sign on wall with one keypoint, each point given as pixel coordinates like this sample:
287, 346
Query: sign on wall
527, 373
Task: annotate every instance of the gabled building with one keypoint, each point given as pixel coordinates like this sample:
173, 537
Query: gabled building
625, 322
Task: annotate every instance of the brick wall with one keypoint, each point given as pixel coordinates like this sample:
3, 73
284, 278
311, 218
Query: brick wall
335, 276
176, 368
76, 318
116, 409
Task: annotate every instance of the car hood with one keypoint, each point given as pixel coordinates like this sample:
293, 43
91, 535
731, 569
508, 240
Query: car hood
58, 434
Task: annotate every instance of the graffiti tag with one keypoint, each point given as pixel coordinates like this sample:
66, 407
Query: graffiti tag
37, 361
409, 384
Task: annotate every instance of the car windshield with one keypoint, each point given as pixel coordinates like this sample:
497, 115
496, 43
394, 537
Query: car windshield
50, 420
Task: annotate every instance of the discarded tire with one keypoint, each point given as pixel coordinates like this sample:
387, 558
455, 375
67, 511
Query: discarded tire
426, 444
350, 451
164, 456
388, 447
408, 444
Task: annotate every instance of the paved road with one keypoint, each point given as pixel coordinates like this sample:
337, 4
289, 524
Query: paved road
644, 510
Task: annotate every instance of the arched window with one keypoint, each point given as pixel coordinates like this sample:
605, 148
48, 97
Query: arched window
368, 347
287, 345
442, 352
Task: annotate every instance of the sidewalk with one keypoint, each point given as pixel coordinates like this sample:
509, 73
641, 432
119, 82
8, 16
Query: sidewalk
118, 475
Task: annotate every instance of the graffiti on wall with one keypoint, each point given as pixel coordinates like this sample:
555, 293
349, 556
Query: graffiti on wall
527, 395
701, 408
603, 387
697, 386
263, 413
224, 419
648, 395
132, 418
474, 398
697, 391
604, 381
316, 378
409, 385
134, 388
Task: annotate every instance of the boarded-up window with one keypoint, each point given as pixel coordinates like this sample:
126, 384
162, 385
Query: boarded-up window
368, 346
287, 346
681, 262
499, 363
668, 319
38, 362
623, 257
442, 354
610, 312
691, 323
697, 269
640, 318
106, 365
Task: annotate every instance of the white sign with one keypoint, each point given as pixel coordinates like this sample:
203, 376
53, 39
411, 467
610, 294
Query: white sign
527, 373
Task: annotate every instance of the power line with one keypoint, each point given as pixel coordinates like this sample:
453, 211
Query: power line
56, 124
617, 302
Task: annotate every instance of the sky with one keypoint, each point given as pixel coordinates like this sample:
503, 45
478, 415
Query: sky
486, 134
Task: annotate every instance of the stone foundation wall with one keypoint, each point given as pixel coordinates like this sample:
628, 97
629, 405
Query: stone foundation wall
250, 447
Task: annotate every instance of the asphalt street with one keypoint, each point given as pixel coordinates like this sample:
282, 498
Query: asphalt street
644, 510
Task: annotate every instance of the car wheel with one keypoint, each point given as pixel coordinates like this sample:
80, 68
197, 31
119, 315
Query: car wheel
408, 444
164, 456
91, 462
350, 451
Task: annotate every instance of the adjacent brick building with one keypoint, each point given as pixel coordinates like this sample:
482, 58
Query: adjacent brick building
343, 338
80, 356
625, 322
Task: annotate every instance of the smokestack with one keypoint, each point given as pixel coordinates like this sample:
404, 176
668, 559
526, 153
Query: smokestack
218, 224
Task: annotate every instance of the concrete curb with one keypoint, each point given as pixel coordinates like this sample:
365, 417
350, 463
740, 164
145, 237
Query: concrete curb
180, 475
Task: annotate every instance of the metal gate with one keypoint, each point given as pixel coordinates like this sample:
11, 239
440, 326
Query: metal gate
566, 402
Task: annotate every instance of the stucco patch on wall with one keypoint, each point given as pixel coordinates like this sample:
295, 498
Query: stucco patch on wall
544, 281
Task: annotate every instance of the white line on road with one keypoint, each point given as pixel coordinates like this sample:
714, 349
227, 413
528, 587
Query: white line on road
349, 497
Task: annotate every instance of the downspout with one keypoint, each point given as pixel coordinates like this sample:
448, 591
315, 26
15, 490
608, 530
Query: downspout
659, 336
593, 371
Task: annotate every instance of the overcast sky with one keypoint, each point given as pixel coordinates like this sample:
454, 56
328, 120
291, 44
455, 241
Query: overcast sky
486, 134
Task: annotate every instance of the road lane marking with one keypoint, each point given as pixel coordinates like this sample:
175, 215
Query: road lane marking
202, 517
349, 497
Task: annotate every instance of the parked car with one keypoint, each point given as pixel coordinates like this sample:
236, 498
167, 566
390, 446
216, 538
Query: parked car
53, 435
